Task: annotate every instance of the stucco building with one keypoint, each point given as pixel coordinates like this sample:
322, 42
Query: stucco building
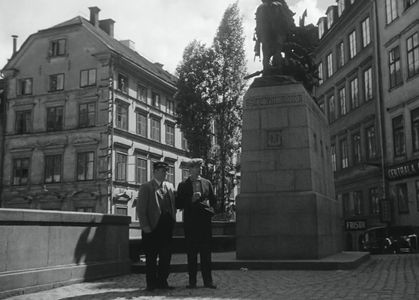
348, 93
399, 68
86, 117
368, 62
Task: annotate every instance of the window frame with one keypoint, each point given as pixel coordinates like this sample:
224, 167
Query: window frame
56, 49
356, 148
89, 117
58, 124
366, 32
54, 82
343, 143
368, 84
88, 162
139, 170
141, 130
121, 167
53, 166
122, 115
412, 55
394, 67
391, 11
354, 93
399, 141
343, 110
27, 122
22, 86
352, 44
371, 142
88, 79
15, 170
123, 83
414, 123
155, 129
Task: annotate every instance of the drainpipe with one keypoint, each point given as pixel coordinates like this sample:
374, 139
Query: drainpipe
111, 133
380, 104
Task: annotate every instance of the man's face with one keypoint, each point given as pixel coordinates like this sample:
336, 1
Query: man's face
195, 170
160, 174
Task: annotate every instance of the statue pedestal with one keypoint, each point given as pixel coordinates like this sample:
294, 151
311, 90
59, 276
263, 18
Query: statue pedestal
287, 207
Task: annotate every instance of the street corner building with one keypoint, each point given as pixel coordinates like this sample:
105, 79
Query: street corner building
368, 65
85, 117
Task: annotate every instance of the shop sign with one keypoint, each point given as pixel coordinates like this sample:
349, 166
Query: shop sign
403, 170
355, 225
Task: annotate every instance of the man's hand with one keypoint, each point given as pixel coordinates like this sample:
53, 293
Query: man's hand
196, 196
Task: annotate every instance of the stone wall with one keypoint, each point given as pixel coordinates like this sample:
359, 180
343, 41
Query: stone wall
46, 249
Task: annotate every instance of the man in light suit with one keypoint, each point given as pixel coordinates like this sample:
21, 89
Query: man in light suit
157, 215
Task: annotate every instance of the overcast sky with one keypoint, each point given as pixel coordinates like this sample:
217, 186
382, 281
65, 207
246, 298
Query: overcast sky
160, 29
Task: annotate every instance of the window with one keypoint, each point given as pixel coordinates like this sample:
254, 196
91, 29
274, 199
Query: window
141, 124
56, 82
417, 194
368, 84
121, 167
346, 205
123, 83
366, 35
354, 93
184, 142
340, 55
24, 86
155, 129
171, 174
398, 136
155, 101
413, 55
170, 107
23, 121
333, 157
408, 3
141, 174
329, 65
356, 147
53, 168
374, 201
142, 93
88, 77
330, 19
85, 165
57, 47
371, 142
54, 118
414, 115
170, 134
332, 113
394, 67
87, 115
341, 7
122, 116
123, 211
20, 171
352, 44
342, 101
357, 202
391, 11
401, 196
344, 153
320, 71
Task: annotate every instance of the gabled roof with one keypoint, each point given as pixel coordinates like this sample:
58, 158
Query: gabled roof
117, 47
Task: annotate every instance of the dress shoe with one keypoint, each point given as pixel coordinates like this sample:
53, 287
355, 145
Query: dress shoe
210, 286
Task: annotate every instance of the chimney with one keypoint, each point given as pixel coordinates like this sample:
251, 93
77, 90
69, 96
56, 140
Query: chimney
94, 15
14, 44
107, 26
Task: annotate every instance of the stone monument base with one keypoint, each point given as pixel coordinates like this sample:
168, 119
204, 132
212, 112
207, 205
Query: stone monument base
287, 207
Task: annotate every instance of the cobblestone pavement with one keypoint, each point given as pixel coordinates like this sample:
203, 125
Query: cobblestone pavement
381, 277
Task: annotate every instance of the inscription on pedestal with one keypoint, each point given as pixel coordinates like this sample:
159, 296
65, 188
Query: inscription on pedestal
273, 100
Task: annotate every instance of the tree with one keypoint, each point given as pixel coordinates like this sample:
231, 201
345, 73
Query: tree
194, 110
229, 88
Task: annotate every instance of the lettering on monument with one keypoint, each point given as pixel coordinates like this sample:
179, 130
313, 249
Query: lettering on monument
273, 100
274, 138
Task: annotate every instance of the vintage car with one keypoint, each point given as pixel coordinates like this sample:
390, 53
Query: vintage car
392, 239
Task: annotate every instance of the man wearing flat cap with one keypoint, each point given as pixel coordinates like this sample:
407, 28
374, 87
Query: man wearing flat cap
196, 197
157, 215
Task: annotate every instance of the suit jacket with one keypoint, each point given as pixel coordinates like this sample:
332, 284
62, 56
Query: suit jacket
197, 223
148, 208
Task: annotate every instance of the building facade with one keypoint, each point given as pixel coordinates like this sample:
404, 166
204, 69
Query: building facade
348, 93
2, 125
86, 118
398, 21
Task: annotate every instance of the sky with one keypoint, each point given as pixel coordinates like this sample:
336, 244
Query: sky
160, 29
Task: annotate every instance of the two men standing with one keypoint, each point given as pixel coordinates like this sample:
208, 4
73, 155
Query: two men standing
157, 214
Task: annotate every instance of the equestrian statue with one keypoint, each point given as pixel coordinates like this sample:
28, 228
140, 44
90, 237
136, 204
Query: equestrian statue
286, 48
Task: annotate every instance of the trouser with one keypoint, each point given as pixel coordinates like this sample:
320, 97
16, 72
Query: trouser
158, 244
204, 250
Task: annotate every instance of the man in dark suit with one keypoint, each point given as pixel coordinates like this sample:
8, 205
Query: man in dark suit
196, 197
157, 215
